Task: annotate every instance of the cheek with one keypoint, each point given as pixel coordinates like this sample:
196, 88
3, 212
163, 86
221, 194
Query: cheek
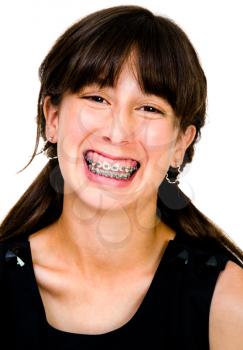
159, 137
70, 136
75, 126
159, 142
89, 119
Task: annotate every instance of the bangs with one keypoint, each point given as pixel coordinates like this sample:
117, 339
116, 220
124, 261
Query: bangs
163, 59
102, 57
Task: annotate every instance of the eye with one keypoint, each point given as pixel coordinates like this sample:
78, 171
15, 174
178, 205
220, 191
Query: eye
152, 109
95, 98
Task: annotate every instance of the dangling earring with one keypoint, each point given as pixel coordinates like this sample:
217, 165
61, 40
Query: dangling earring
172, 175
51, 138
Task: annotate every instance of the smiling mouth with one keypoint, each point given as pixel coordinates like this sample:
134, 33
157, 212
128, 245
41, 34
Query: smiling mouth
112, 169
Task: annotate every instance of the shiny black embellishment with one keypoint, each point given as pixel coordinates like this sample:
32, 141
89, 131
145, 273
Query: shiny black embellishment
212, 261
205, 268
179, 259
11, 256
183, 255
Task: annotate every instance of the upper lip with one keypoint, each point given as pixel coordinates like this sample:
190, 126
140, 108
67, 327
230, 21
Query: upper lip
110, 156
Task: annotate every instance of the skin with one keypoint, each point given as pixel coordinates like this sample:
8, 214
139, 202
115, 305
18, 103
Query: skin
106, 237
226, 312
106, 234
117, 124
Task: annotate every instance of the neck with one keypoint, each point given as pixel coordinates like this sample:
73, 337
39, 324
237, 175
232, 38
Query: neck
110, 241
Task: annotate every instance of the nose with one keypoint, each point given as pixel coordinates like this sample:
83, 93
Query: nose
120, 128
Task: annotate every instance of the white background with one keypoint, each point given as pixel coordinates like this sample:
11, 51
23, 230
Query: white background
214, 179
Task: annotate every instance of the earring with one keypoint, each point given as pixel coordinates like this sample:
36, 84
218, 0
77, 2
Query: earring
172, 175
51, 138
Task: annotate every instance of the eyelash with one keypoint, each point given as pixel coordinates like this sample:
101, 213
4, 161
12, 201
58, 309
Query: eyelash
93, 97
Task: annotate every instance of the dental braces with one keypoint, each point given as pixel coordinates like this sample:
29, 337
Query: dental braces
109, 174
114, 167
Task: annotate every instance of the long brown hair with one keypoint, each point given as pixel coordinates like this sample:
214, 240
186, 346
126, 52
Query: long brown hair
93, 50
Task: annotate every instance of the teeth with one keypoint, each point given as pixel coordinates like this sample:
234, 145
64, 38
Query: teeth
106, 166
98, 164
109, 164
108, 173
114, 167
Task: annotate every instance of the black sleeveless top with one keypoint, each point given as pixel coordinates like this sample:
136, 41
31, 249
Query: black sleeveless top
173, 315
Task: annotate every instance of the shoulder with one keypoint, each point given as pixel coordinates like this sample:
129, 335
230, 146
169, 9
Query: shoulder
226, 311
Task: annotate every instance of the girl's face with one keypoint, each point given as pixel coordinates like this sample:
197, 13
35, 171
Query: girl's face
119, 122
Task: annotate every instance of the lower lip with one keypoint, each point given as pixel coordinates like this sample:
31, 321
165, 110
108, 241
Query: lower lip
106, 180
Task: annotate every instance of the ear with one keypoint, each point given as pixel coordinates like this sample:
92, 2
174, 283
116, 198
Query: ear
51, 115
183, 142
